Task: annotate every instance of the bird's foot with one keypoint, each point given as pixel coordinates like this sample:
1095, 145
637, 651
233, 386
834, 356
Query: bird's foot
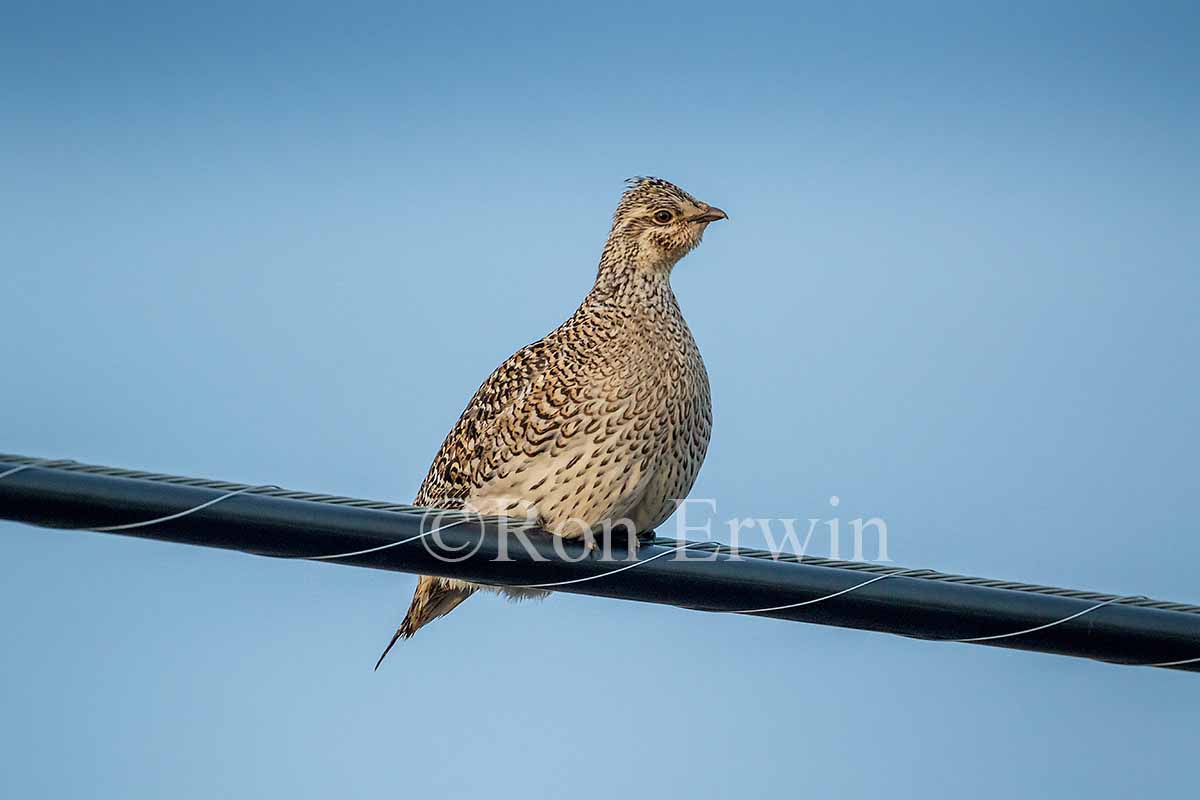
634, 544
607, 549
591, 547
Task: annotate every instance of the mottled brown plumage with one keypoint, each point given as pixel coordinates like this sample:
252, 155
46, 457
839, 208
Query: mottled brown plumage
607, 418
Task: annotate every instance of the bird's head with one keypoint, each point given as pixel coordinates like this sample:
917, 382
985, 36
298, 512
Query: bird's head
656, 224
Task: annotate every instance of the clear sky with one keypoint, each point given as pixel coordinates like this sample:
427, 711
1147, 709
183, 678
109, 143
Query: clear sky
283, 244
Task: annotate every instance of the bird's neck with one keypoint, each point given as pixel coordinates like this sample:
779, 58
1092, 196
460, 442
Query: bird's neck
632, 286
628, 276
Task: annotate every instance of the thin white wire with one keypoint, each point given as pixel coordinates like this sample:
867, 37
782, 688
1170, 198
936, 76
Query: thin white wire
573, 581
14, 471
131, 525
817, 599
383, 546
1048, 624
1170, 663
992, 637
144, 523
37, 462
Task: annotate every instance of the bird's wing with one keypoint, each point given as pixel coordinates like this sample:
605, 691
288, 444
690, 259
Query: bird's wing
522, 410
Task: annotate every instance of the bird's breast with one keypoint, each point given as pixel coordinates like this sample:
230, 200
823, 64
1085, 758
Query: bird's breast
622, 436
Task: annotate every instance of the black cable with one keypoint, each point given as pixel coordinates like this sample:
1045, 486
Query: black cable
268, 520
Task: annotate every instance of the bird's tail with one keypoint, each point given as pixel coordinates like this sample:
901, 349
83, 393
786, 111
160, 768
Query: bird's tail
435, 597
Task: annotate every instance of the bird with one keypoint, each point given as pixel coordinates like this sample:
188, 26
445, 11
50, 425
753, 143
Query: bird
605, 419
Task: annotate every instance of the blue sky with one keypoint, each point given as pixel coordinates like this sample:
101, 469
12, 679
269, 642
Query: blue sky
284, 244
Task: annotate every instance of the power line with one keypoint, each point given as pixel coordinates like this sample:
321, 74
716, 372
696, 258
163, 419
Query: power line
708, 576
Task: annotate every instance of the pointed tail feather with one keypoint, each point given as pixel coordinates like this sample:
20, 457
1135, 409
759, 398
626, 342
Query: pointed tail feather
435, 597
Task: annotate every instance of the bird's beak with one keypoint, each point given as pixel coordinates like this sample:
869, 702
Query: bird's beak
711, 215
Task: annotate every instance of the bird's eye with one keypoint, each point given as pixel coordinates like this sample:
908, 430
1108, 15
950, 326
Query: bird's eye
663, 217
